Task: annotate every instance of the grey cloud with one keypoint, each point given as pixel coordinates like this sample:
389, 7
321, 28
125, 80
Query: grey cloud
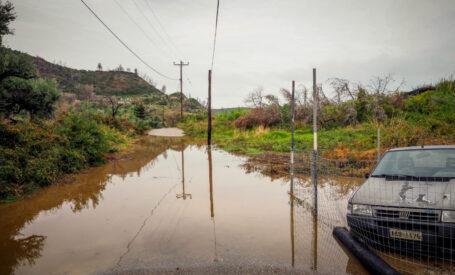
265, 43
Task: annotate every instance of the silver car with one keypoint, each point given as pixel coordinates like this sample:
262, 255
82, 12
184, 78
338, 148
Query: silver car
408, 202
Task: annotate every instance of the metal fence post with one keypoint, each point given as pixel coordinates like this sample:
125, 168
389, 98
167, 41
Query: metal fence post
209, 111
292, 137
379, 144
315, 141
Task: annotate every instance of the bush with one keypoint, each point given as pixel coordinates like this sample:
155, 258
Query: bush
84, 134
35, 154
257, 117
29, 159
231, 115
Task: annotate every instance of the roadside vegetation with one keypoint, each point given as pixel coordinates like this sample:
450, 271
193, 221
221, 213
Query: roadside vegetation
347, 124
55, 120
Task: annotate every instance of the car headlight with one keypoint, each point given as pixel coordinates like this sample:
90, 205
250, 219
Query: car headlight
349, 208
362, 209
448, 216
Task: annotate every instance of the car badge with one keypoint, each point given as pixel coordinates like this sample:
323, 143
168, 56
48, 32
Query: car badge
404, 215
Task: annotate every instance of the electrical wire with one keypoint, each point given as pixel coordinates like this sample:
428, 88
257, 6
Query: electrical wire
216, 27
141, 29
162, 27
165, 43
125, 45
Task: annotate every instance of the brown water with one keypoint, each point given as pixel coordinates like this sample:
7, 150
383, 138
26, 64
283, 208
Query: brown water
168, 206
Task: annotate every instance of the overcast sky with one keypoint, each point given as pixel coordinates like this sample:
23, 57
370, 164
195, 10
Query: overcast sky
266, 42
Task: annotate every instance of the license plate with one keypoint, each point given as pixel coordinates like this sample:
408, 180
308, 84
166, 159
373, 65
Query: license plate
404, 234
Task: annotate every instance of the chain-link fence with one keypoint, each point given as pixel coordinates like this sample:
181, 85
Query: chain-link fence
402, 208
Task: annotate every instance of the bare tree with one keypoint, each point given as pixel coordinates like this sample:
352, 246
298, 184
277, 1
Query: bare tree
381, 85
115, 104
286, 94
322, 98
99, 67
256, 98
272, 100
342, 88
302, 95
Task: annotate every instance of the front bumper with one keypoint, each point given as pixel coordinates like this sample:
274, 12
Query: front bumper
438, 239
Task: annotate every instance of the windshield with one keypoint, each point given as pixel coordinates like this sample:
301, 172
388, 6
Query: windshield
424, 163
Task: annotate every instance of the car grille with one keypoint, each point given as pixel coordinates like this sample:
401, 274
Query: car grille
407, 214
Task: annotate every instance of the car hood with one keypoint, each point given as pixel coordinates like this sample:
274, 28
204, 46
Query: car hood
403, 193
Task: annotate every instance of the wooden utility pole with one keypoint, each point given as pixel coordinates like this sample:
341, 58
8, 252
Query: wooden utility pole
181, 64
209, 111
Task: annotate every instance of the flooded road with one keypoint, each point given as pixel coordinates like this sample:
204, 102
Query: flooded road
170, 206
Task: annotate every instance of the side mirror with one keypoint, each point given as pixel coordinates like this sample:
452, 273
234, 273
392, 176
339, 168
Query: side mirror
367, 175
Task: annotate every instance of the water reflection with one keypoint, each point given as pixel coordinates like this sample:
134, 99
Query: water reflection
128, 246
212, 210
312, 243
81, 192
124, 215
183, 195
296, 202
22, 250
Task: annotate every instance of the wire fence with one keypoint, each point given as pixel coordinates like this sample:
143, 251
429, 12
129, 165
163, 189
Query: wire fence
401, 208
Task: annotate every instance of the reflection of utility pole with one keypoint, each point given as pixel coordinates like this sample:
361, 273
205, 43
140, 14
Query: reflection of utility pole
212, 211
183, 194
181, 64
315, 240
291, 196
209, 152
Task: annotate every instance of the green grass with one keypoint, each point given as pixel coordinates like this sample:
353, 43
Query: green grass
279, 140
427, 118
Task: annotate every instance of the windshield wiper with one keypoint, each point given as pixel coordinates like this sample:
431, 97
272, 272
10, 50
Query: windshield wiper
411, 177
393, 176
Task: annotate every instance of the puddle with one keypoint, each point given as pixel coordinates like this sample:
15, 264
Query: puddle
157, 209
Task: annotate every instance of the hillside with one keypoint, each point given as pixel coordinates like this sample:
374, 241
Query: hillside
104, 82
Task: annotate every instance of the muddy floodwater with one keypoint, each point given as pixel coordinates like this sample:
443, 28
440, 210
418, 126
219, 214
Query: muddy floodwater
172, 206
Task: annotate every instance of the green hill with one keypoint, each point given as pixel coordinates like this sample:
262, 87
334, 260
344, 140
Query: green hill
104, 82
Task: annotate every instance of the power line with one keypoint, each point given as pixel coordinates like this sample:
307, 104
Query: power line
141, 29
165, 43
216, 27
162, 27
126, 46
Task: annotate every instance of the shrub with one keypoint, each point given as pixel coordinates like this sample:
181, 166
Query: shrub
231, 115
265, 117
35, 154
